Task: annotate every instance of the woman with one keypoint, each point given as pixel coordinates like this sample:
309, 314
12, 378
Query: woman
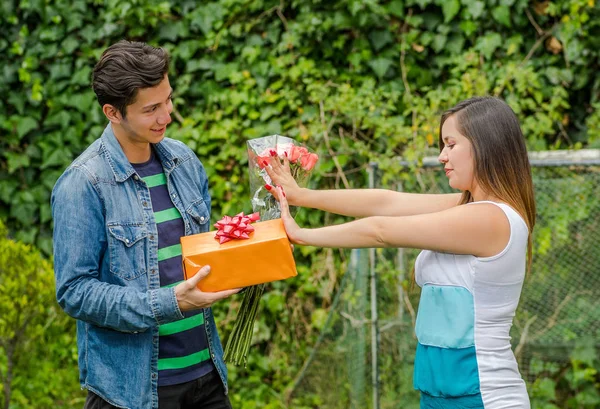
475, 251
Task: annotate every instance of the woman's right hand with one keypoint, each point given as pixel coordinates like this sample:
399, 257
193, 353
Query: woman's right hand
293, 231
281, 175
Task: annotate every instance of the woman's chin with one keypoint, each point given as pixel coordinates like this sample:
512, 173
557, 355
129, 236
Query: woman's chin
457, 186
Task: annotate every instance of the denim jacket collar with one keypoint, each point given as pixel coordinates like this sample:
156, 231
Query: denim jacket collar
120, 165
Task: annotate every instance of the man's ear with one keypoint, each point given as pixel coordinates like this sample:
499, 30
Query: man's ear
112, 113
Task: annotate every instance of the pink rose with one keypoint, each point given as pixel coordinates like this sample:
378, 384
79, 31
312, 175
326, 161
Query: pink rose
297, 152
263, 161
307, 162
284, 149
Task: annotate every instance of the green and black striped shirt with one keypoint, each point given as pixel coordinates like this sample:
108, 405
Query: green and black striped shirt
183, 346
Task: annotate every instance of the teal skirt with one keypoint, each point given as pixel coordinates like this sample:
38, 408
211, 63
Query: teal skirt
463, 402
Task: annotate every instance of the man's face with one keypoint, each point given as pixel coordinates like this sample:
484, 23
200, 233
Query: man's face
147, 118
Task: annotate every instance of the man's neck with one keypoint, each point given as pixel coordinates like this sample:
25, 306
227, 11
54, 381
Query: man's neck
136, 152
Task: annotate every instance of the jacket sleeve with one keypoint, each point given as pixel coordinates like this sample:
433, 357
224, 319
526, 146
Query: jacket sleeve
80, 244
203, 178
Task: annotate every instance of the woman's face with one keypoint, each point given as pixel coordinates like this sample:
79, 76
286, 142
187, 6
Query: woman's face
457, 157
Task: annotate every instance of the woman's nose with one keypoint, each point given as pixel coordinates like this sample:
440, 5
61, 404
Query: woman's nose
443, 158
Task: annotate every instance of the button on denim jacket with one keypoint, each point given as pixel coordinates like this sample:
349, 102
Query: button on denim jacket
106, 265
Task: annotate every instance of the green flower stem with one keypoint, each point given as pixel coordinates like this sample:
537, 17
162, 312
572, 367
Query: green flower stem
238, 343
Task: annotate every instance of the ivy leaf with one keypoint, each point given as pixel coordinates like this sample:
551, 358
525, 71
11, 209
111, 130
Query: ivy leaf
24, 125
455, 44
488, 44
82, 76
396, 8
439, 41
7, 188
574, 49
474, 7
60, 156
380, 39
223, 71
318, 318
206, 16
274, 300
186, 49
380, 66
557, 76
450, 9
172, 31
502, 15
24, 213
70, 44
26, 235
82, 102
423, 3
61, 118
544, 388
468, 27
45, 213
201, 64
45, 244
513, 44
58, 71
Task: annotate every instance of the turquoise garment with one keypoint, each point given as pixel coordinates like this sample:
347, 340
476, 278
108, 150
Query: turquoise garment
446, 360
464, 402
446, 372
446, 317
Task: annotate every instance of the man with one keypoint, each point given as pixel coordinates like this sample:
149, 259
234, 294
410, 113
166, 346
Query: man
146, 338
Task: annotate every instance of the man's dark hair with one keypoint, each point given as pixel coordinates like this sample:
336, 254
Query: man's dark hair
126, 67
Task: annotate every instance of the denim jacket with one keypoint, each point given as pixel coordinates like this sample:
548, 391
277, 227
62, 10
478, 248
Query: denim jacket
106, 265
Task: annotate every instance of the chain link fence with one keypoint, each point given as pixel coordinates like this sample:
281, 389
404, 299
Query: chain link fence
364, 356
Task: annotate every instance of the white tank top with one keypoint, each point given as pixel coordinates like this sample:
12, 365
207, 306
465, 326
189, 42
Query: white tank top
465, 313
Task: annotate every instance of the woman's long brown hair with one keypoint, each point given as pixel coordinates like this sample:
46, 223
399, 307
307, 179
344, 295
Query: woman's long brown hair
501, 164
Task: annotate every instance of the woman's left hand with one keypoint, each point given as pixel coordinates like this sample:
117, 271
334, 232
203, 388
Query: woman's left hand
291, 227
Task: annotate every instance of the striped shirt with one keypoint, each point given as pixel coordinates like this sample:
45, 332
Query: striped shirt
183, 347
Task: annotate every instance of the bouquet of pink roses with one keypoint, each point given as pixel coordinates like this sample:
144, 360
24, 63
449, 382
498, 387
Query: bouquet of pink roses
302, 161
260, 150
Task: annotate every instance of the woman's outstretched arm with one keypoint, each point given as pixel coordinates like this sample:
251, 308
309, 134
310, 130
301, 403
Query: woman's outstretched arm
358, 202
482, 230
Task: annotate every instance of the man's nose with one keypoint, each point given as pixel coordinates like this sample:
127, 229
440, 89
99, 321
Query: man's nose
165, 117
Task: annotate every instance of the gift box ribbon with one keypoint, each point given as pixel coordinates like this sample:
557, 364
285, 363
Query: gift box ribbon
237, 227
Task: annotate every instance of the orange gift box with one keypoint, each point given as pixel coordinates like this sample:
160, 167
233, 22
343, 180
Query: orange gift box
266, 256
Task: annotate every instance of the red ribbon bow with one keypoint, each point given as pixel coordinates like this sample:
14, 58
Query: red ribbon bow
236, 227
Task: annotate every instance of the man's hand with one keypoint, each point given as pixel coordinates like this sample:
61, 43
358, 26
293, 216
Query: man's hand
189, 297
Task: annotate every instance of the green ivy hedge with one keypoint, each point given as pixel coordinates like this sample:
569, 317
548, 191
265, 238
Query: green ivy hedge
357, 80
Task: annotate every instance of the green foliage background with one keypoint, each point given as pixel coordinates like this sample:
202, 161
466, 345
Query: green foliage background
357, 80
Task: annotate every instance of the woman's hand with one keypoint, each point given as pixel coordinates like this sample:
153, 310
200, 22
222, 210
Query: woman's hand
280, 175
292, 229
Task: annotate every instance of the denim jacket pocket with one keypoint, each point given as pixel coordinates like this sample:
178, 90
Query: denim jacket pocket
127, 252
199, 216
